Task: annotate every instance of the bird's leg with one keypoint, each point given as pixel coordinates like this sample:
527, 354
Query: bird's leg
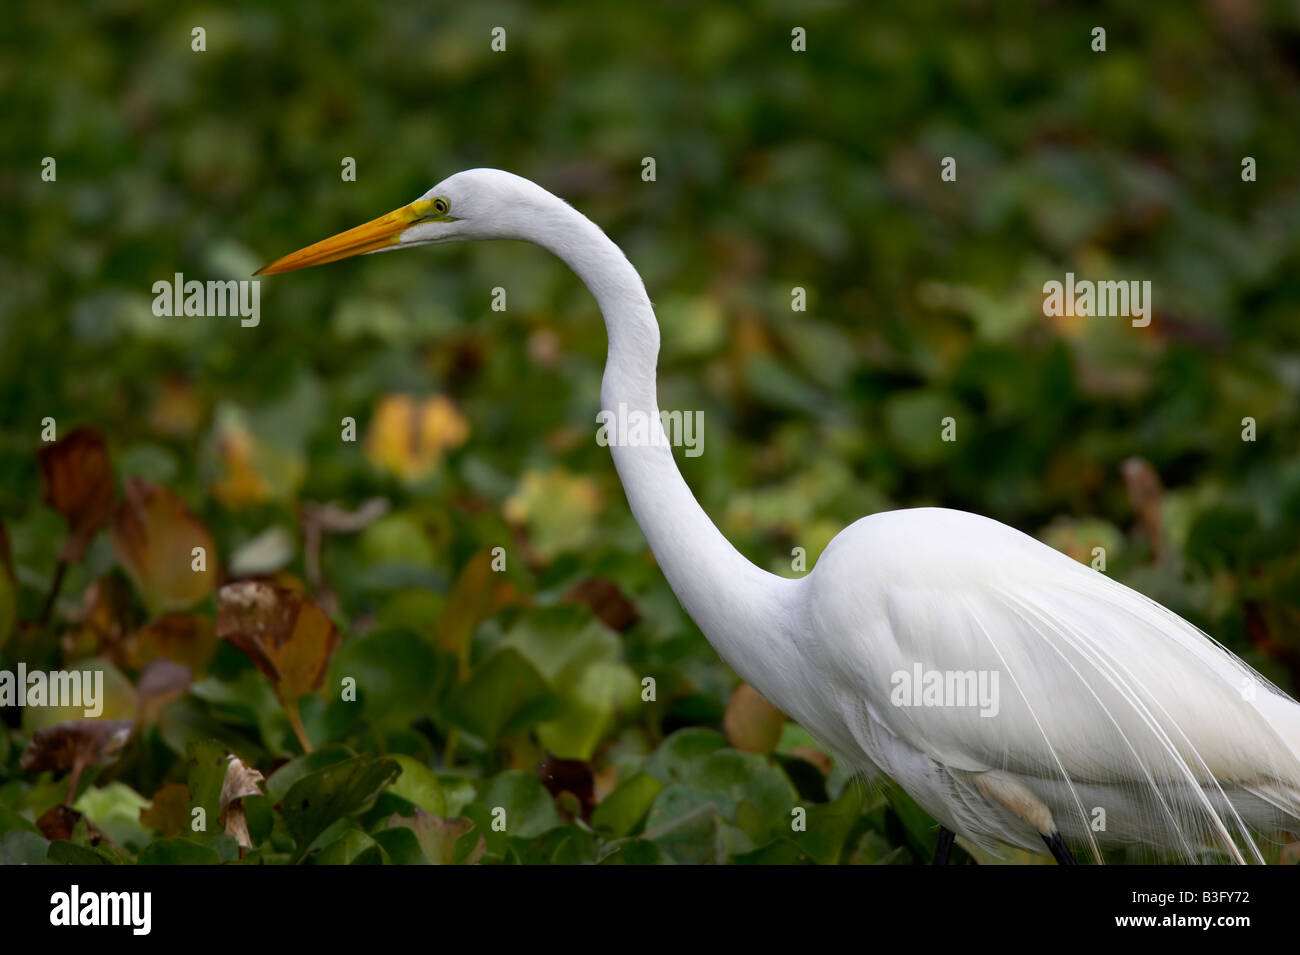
1059, 850
944, 846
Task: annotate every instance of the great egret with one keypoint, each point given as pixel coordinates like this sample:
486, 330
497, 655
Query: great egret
1017, 695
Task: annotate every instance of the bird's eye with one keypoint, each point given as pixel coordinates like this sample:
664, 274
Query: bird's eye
441, 206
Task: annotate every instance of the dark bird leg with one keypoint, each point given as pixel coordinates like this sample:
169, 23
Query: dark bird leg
1056, 846
944, 846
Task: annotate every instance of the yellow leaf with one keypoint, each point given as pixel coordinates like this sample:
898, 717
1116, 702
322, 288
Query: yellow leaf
288, 636
155, 536
409, 437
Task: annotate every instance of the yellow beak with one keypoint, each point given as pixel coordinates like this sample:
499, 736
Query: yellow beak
374, 235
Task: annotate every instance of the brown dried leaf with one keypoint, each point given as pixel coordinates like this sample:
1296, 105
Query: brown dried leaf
75, 744
77, 479
169, 813
154, 535
240, 781
288, 636
752, 723
606, 601
59, 824
438, 836
182, 638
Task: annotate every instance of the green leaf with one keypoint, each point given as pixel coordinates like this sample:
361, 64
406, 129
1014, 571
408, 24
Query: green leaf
10, 820
321, 798
780, 852
621, 811
695, 837
504, 694
633, 852
418, 785
63, 852
828, 826
206, 761
178, 852
528, 809
354, 848
397, 673
283, 778
21, 847
678, 756
400, 844
115, 809
922, 830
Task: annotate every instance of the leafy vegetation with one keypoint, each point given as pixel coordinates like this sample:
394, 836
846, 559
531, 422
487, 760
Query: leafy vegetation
345, 677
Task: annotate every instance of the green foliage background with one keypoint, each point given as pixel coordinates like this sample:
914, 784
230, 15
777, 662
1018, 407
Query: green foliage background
775, 169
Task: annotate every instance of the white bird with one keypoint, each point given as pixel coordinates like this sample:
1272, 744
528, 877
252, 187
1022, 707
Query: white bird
1020, 697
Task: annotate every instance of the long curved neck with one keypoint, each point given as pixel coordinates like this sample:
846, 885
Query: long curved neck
743, 610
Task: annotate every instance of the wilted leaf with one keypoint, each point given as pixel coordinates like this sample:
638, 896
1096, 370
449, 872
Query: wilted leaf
154, 535
75, 745
77, 479
752, 723
443, 841
285, 633
240, 781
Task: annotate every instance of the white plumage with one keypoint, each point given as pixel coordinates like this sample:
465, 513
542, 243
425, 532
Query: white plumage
1114, 721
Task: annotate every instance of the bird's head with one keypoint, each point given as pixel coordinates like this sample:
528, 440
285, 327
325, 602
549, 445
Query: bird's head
474, 204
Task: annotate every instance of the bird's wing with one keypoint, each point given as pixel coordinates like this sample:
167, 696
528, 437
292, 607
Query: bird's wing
986, 650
